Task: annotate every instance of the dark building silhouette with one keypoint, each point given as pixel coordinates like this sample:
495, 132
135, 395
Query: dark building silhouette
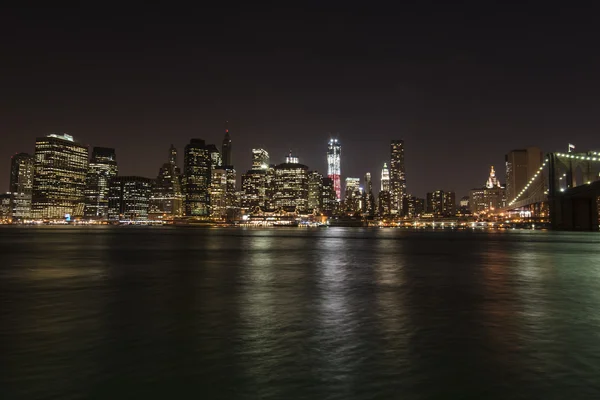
197, 174
101, 170
129, 198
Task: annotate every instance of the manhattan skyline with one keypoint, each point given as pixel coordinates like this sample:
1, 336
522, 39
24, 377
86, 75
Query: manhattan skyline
461, 90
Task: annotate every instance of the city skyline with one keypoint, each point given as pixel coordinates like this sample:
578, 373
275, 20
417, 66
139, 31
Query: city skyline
460, 91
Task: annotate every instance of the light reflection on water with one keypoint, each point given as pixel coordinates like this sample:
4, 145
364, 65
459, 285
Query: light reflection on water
297, 313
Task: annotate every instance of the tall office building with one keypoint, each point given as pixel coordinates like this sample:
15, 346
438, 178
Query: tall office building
260, 159
521, 165
291, 186
369, 198
414, 206
385, 203
490, 197
231, 195
226, 150
197, 167
61, 167
329, 202
315, 183
449, 204
102, 168
21, 186
166, 198
21, 173
397, 176
385, 178
129, 198
353, 196
218, 193
334, 151
254, 185
441, 203
216, 161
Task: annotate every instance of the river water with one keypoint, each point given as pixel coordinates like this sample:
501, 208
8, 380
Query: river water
293, 313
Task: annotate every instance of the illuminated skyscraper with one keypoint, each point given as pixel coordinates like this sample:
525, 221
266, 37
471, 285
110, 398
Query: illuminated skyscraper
21, 173
197, 167
315, 183
291, 186
61, 167
21, 185
218, 193
166, 199
334, 166
254, 189
102, 168
353, 196
369, 198
397, 176
129, 198
260, 159
521, 166
226, 149
385, 178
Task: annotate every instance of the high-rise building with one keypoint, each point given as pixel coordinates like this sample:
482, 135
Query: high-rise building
369, 198
231, 195
291, 186
449, 204
21, 173
385, 203
218, 193
21, 185
414, 206
385, 178
5, 208
166, 199
61, 167
315, 183
329, 202
436, 203
215, 156
260, 159
490, 197
197, 167
254, 189
397, 176
521, 166
353, 196
441, 203
226, 150
334, 151
129, 198
101, 169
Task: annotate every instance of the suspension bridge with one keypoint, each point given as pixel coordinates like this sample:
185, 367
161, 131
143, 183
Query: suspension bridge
564, 190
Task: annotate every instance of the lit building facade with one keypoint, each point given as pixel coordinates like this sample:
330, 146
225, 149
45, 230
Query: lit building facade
353, 196
414, 206
441, 203
384, 203
218, 193
397, 176
21, 185
61, 167
166, 199
334, 170
449, 204
329, 201
369, 197
254, 189
291, 186
385, 178
232, 197
129, 198
197, 167
521, 166
102, 168
490, 197
260, 159
315, 184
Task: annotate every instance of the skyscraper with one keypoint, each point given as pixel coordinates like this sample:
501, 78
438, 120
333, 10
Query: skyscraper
334, 166
315, 183
385, 178
197, 170
226, 149
129, 198
21, 186
21, 173
166, 198
218, 193
61, 167
397, 176
291, 186
435, 203
490, 197
369, 198
102, 168
329, 201
260, 159
353, 196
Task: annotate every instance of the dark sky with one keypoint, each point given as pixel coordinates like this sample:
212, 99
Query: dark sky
462, 85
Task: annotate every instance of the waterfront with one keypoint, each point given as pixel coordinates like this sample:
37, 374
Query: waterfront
285, 313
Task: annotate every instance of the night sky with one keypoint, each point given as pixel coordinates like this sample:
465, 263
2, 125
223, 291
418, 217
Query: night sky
461, 85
